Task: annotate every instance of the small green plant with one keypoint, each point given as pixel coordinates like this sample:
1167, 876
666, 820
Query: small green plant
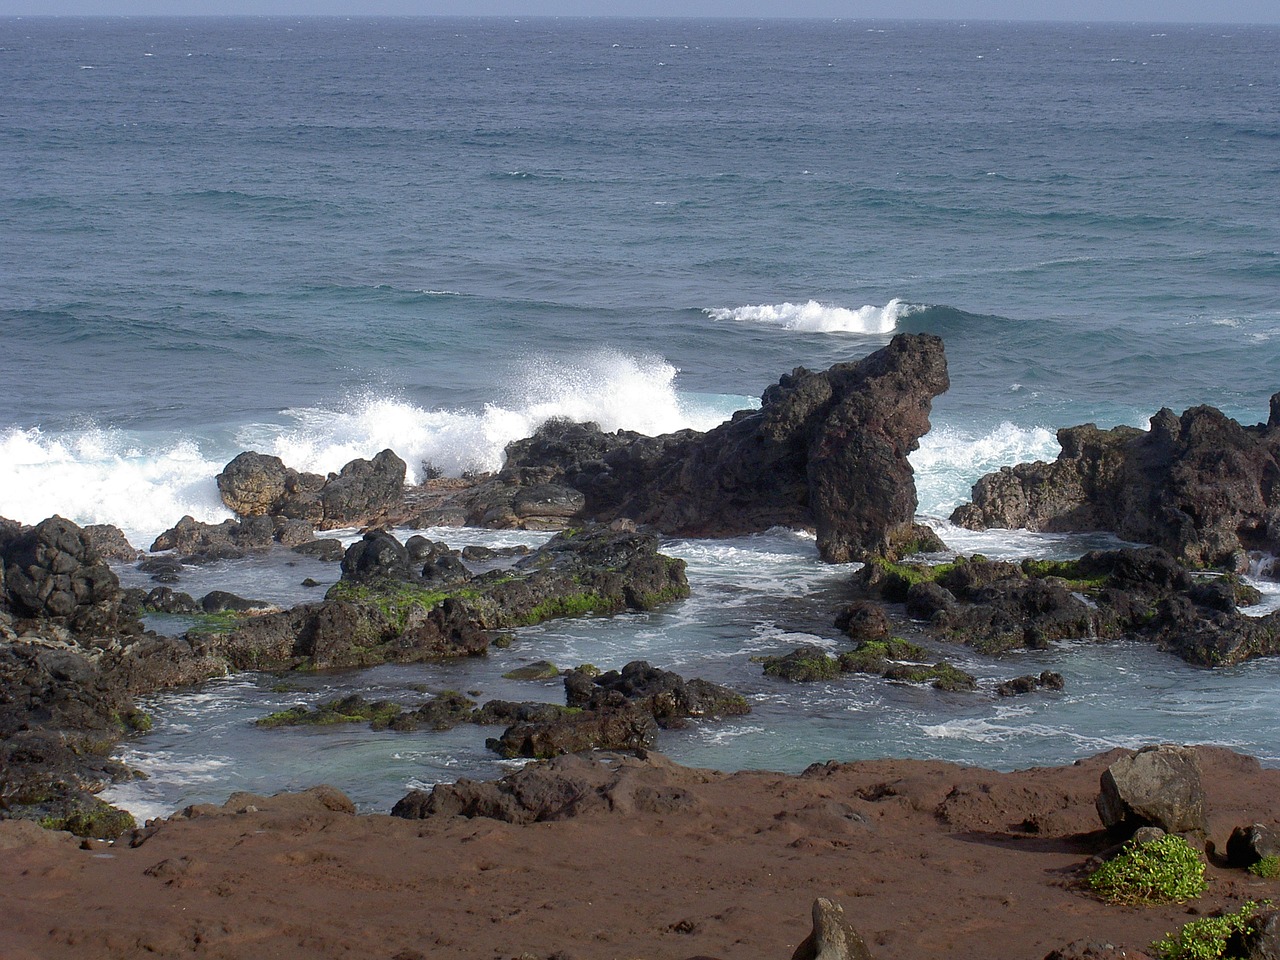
1165, 870
1268, 868
1206, 938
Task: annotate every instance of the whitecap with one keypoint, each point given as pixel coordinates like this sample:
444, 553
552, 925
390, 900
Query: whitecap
816, 317
618, 391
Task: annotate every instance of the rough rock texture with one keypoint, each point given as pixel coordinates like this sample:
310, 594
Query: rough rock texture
996, 606
826, 451
616, 725
668, 697
1247, 845
1159, 786
567, 786
72, 657
254, 484
1201, 486
51, 571
833, 937
199, 542
1262, 940
382, 611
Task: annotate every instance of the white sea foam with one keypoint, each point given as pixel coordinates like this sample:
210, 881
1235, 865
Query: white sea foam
107, 476
613, 389
145, 483
950, 460
815, 317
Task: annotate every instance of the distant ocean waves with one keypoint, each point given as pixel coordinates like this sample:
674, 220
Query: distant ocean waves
815, 317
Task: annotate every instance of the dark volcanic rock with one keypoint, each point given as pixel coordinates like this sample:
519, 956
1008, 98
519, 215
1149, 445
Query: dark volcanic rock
1105, 595
382, 611
616, 726
68, 676
1047, 680
1201, 486
110, 542
254, 484
825, 450
1247, 845
1159, 786
565, 787
52, 571
667, 696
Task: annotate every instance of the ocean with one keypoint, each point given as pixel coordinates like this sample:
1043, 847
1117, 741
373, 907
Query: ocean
320, 237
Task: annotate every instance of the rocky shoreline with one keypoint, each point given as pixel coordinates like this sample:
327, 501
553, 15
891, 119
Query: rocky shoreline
825, 452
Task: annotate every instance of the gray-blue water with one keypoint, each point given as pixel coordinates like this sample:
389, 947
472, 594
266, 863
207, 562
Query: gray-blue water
321, 237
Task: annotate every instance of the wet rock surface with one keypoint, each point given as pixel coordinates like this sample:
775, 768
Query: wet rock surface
1140, 593
383, 610
1201, 486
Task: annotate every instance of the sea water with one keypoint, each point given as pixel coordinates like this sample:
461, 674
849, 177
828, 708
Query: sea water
321, 237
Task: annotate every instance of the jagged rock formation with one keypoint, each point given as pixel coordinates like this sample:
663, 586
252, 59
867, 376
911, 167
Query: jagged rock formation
996, 606
1201, 486
825, 451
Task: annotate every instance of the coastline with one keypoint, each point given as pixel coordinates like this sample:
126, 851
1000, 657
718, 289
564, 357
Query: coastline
928, 859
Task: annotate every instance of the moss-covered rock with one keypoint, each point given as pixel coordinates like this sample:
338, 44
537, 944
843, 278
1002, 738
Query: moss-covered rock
803, 665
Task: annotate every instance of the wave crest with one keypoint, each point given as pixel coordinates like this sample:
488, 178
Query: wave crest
615, 390
816, 317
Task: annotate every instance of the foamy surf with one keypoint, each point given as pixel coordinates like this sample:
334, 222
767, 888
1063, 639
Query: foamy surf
816, 317
618, 391
949, 460
141, 485
146, 483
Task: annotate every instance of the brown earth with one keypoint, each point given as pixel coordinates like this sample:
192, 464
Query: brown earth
929, 860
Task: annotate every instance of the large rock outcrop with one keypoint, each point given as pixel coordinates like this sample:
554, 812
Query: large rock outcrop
825, 451
383, 611
72, 658
1141, 593
1201, 486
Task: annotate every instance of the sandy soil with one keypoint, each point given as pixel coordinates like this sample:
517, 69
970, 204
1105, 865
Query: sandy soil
929, 860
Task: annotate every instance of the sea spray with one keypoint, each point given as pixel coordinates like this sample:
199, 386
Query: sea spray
618, 391
142, 484
949, 460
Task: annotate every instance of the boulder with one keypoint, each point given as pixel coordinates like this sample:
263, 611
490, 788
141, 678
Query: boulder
1261, 940
667, 696
1201, 486
255, 484
1158, 786
52, 571
604, 784
1047, 680
615, 726
833, 937
110, 543
1247, 845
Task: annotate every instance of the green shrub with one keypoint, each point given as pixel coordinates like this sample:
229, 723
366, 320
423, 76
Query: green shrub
1206, 938
1165, 870
1268, 868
